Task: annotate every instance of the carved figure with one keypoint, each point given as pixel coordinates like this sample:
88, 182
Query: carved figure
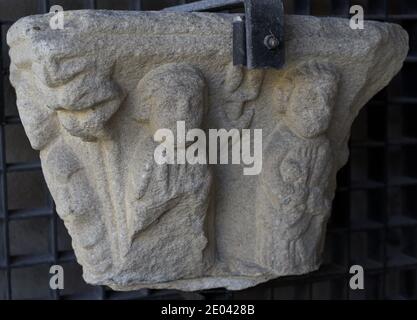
170, 93
294, 203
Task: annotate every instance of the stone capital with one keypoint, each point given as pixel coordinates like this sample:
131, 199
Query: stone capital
93, 95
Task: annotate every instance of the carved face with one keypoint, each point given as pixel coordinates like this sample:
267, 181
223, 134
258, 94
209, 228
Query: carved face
167, 109
310, 108
172, 93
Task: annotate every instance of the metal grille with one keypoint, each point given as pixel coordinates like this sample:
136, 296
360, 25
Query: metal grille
374, 220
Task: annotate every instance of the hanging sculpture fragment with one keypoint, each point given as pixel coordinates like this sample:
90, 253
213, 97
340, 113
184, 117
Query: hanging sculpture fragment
93, 95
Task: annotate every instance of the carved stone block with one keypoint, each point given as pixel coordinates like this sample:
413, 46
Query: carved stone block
93, 95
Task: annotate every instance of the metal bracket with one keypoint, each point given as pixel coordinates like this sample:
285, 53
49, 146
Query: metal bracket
258, 35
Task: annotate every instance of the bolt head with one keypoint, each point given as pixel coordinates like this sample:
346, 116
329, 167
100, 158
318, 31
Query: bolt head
271, 42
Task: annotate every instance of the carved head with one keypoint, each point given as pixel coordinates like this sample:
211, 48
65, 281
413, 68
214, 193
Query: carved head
170, 93
311, 101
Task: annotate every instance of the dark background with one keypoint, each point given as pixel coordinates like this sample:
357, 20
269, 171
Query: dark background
374, 220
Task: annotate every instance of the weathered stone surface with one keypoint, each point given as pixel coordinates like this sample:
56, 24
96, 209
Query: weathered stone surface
91, 97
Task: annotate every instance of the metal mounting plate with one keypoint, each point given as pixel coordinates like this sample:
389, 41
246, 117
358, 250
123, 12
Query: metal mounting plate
258, 37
